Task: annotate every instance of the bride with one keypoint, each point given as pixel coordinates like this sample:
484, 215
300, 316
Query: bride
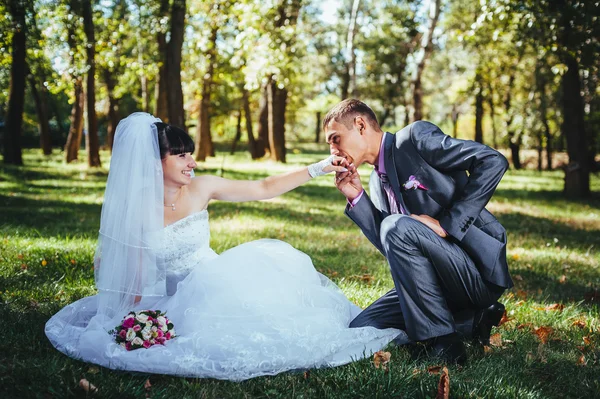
257, 309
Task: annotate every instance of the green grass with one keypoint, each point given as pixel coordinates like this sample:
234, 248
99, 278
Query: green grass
49, 218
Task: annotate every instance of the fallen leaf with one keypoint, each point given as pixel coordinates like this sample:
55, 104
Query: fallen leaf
581, 361
307, 374
487, 349
147, 384
87, 386
73, 261
562, 279
20, 256
516, 256
44, 262
518, 277
543, 333
416, 372
444, 385
579, 323
555, 306
505, 319
519, 303
496, 340
23, 266
381, 359
587, 341
434, 369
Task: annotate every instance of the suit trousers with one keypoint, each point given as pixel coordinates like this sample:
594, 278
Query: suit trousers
438, 288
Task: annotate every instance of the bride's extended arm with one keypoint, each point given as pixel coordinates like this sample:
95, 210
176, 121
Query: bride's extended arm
272, 186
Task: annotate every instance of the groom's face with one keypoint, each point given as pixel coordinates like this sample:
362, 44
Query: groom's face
346, 142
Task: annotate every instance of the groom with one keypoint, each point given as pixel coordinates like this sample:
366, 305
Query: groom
425, 212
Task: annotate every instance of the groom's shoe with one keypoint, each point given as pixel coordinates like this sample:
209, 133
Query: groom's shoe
484, 320
449, 348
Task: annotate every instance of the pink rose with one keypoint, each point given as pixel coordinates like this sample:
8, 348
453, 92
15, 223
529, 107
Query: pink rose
137, 328
128, 346
160, 334
161, 340
123, 334
147, 344
168, 335
128, 323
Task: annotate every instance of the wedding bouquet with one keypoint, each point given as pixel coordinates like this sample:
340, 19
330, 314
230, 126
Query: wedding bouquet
143, 329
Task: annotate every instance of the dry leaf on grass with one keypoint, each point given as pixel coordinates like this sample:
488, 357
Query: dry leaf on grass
579, 323
521, 294
307, 374
554, 306
434, 369
581, 361
381, 359
543, 333
444, 385
487, 349
147, 384
562, 279
496, 340
87, 386
505, 319
524, 325
587, 341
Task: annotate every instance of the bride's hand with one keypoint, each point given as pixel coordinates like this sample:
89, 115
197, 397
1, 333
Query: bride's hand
330, 164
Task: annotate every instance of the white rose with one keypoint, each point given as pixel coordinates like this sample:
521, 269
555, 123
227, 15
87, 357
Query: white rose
173, 332
130, 334
164, 328
137, 341
142, 318
154, 329
145, 335
161, 320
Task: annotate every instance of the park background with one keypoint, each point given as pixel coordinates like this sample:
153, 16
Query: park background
251, 81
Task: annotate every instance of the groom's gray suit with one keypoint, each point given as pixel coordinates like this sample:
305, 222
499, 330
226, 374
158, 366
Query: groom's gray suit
439, 282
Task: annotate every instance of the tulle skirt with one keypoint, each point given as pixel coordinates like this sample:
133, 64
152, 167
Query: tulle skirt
257, 309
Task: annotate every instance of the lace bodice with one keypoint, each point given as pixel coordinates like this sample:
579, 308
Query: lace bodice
186, 243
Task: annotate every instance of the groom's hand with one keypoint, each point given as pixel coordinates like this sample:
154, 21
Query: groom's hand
432, 223
349, 182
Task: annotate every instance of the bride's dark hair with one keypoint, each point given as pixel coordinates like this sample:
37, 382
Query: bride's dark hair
173, 140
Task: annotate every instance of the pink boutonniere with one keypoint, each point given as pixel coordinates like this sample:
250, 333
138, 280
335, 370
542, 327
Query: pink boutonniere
413, 184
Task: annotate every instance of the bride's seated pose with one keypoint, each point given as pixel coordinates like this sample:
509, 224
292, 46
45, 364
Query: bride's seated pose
260, 308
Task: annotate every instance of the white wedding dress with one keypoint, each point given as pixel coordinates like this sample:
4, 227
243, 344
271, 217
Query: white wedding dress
260, 308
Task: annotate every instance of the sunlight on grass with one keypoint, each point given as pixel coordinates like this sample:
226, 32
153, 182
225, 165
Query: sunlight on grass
50, 215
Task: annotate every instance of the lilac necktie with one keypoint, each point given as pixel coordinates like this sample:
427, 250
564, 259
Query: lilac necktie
391, 197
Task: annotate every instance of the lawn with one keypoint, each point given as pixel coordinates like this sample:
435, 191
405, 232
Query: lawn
548, 347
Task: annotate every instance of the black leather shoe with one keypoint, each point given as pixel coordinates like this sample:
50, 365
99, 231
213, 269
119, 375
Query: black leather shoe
448, 348
484, 320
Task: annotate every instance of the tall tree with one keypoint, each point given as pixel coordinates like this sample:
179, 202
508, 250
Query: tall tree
162, 110
18, 70
349, 74
174, 46
41, 105
203, 134
423, 56
93, 144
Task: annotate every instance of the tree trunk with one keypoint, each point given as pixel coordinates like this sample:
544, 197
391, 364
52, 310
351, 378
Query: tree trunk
41, 107
16, 96
76, 128
577, 175
318, 128
541, 87
479, 111
262, 144
277, 99
455, 115
515, 147
113, 113
427, 49
93, 146
203, 135
349, 76
238, 132
162, 109
493, 115
175, 91
252, 144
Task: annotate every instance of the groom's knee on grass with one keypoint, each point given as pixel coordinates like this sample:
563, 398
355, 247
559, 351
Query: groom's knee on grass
394, 229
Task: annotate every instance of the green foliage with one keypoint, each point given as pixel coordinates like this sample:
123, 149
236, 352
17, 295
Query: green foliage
48, 232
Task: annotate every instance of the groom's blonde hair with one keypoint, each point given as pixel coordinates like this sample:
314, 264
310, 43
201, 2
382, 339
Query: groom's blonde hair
345, 112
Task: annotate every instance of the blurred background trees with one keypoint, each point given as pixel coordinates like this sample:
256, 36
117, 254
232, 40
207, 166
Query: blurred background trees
518, 75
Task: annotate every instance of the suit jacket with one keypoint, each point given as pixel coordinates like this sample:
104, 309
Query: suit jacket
453, 197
